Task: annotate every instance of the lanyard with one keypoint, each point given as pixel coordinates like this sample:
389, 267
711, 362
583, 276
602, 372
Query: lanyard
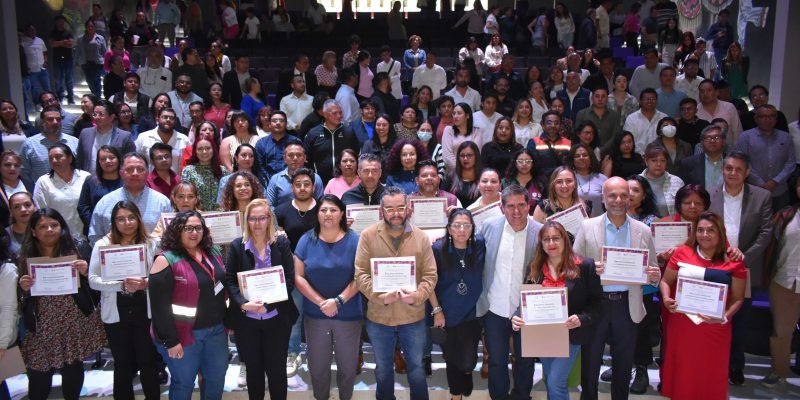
210, 271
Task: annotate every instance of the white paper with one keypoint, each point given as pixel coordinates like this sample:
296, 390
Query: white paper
668, 235
625, 265
120, 262
393, 273
53, 279
482, 214
224, 226
265, 284
429, 212
544, 306
571, 218
166, 218
701, 297
363, 216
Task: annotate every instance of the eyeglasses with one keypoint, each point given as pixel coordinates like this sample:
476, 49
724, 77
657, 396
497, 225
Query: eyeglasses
122, 220
277, 120
467, 155
552, 239
576, 156
394, 210
370, 171
713, 139
524, 162
193, 228
461, 227
168, 118
261, 219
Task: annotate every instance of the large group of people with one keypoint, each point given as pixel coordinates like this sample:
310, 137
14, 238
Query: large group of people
163, 141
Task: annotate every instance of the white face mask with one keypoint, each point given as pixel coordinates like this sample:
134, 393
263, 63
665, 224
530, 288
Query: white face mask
669, 131
424, 136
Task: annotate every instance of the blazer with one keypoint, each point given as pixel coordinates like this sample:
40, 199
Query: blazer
580, 102
692, 170
754, 225
142, 103
240, 260
492, 232
119, 138
231, 90
590, 240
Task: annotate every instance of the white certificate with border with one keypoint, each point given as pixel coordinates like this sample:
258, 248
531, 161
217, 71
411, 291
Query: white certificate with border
166, 218
54, 278
264, 284
484, 213
429, 212
393, 273
120, 262
668, 235
224, 226
544, 306
571, 218
625, 266
695, 296
362, 216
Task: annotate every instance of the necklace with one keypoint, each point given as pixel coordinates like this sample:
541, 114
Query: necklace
461, 288
580, 185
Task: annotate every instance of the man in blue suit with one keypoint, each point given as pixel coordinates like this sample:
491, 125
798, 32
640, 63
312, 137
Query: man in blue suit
575, 97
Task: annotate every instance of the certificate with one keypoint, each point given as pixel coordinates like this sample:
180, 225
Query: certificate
362, 216
53, 276
393, 273
224, 226
544, 306
166, 218
668, 235
695, 296
429, 212
482, 214
120, 262
267, 285
625, 266
571, 218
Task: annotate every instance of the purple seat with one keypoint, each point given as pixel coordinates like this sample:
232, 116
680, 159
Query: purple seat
622, 52
634, 61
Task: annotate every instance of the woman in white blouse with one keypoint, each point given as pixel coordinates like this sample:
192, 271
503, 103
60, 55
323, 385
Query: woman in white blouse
565, 26
471, 50
10, 164
525, 126
60, 189
494, 53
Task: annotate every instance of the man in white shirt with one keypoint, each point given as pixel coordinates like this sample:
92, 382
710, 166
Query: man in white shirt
486, 117
164, 133
155, 78
643, 122
36, 56
462, 93
346, 96
688, 82
296, 105
181, 98
603, 24
391, 67
647, 75
712, 107
707, 61
431, 75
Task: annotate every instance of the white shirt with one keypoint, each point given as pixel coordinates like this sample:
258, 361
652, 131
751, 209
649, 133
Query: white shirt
296, 109
471, 97
10, 191
346, 97
525, 133
252, 27
644, 130
181, 106
154, 80
147, 139
62, 196
690, 87
435, 78
788, 271
504, 289
394, 76
538, 110
732, 215
34, 49
480, 120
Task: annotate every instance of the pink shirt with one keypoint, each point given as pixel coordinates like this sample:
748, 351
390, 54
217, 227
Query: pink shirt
337, 186
126, 60
365, 82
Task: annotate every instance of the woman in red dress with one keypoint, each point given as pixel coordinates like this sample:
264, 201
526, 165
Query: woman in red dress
697, 355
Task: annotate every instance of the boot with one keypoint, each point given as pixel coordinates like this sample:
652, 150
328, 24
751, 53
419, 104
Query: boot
641, 381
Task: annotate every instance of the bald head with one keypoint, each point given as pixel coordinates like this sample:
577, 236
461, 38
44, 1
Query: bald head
615, 196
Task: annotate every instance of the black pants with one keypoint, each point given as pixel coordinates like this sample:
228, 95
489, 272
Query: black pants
739, 326
40, 382
133, 350
615, 325
460, 355
266, 344
648, 332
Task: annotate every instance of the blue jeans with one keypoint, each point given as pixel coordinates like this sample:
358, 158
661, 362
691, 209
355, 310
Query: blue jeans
40, 82
208, 355
63, 71
412, 342
93, 74
498, 330
556, 372
297, 329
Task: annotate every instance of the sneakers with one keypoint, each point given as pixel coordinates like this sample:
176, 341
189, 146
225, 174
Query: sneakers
641, 381
736, 377
606, 375
242, 379
772, 380
292, 364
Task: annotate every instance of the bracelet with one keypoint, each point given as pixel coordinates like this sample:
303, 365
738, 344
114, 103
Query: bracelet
436, 310
340, 300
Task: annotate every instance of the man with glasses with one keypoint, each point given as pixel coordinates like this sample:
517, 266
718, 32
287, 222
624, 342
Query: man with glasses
397, 314
182, 97
643, 122
103, 133
164, 133
133, 172
280, 189
162, 178
759, 95
269, 149
705, 168
370, 190
34, 150
550, 147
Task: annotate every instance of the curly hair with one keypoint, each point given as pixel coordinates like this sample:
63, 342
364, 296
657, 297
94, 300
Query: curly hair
171, 239
229, 202
393, 160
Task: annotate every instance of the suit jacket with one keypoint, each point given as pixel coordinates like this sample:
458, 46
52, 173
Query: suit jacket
754, 225
285, 83
590, 240
231, 90
581, 101
142, 103
119, 138
492, 231
693, 170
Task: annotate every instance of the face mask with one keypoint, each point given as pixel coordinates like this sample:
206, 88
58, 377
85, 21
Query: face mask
424, 136
669, 131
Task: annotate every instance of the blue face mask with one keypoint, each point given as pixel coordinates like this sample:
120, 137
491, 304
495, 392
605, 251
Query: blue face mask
424, 136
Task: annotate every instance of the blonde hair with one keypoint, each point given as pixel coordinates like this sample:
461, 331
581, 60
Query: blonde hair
247, 233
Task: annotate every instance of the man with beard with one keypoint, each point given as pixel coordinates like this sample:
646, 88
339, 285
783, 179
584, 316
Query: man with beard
164, 133
462, 93
34, 150
182, 97
280, 189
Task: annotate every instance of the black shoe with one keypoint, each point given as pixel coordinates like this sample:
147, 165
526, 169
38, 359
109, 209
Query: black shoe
163, 376
736, 377
606, 375
426, 362
641, 381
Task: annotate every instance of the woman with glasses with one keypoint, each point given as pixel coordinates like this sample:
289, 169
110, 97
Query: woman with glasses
262, 329
459, 259
463, 182
244, 160
332, 309
345, 177
187, 297
204, 171
60, 189
125, 120
124, 307
521, 172
106, 180
589, 179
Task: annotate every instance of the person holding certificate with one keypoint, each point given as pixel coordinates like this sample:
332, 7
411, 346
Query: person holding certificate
60, 330
697, 350
402, 161
489, 188
262, 329
562, 194
124, 306
332, 308
460, 256
187, 299
555, 265
521, 171
428, 181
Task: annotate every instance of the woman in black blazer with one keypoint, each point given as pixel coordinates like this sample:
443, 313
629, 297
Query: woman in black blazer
262, 330
555, 265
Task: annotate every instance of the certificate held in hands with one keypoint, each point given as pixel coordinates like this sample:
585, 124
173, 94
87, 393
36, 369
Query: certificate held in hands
393, 273
624, 266
695, 296
482, 214
120, 262
668, 235
429, 212
545, 313
267, 285
224, 226
571, 218
362, 216
544, 306
53, 276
